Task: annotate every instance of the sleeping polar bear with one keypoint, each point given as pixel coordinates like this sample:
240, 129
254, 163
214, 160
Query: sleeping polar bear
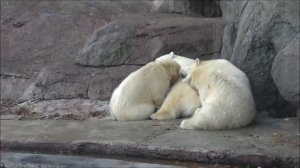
182, 100
143, 91
225, 94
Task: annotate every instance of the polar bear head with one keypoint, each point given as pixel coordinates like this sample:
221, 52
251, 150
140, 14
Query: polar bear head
187, 71
185, 63
172, 68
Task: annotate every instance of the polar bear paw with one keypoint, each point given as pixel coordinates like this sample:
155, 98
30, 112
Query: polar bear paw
162, 116
186, 124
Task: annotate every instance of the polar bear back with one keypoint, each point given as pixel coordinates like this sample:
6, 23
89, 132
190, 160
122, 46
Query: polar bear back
225, 93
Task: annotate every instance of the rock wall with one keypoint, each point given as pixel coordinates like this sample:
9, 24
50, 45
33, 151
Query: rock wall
258, 31
41, 39
139, 39
285, 72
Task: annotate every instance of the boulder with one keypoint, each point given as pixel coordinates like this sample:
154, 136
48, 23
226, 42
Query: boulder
285, 72
255, 33
138, 39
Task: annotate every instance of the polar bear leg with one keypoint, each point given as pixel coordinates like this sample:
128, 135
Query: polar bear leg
164, 114
202, 119
140, 112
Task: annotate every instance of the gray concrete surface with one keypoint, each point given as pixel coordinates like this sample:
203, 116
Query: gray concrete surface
267, 142
27, 160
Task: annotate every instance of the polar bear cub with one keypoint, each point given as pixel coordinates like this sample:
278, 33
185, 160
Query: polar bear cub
225, 94
182, 100
184, 62
143, 91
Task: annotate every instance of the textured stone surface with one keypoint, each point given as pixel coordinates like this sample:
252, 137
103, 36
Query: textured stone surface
67, 109
266, 143
62, 82
40, 40
138, 39
43, 38
257, 32
285, 72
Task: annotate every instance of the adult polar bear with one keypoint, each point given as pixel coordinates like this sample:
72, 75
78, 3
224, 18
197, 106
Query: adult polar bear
143, 91
225, 94
182, 100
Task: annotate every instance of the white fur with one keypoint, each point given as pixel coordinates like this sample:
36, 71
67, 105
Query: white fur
182, 100
143, 91
184, 62
225, 94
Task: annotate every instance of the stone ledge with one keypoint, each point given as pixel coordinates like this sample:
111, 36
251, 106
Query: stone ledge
256, 145
154, 152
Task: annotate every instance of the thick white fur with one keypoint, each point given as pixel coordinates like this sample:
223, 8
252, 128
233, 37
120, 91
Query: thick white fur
143, 91
182, 100
184, 62
225, 94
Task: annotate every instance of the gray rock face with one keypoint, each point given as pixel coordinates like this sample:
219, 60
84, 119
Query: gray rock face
38, 52
141, 38
257, 32
37, 57
107, 46
54, 83
285, 72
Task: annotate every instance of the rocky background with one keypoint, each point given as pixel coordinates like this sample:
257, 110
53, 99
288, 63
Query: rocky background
52, 51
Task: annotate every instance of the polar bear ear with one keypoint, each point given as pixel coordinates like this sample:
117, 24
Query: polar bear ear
198, 61
171, 55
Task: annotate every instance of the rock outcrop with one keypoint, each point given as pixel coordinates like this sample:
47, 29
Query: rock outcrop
38, 51
138, 39
285, 72
257, 32
40, 40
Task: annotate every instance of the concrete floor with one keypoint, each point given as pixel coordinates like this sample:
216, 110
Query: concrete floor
9, 159
267, 142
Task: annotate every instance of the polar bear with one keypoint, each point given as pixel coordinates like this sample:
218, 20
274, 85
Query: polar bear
182, 100
184, 62
143, 91
225, 94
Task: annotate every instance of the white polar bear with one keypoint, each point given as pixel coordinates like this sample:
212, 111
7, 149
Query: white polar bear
225, 93
143, 91
184, 62
182, 100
